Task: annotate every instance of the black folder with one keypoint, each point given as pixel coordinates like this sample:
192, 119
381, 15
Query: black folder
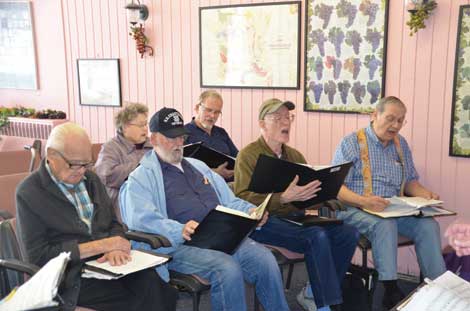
275, 175
221, 232
211, 157
224, 231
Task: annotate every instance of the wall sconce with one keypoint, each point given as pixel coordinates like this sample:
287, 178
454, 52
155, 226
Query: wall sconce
419, 10
139, 12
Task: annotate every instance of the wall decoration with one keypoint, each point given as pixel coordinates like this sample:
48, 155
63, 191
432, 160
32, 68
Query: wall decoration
460, 124
250, 46
17, 56
99, 82
345, 54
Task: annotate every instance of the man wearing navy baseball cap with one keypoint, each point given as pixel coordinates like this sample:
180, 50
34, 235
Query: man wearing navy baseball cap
170, 195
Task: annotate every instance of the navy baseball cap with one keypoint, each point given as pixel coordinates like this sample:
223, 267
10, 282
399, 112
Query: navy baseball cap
169, 122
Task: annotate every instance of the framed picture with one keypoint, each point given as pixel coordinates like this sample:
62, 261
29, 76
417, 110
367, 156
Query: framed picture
345, 54
250, 45
460, 124
99, 82
17, 56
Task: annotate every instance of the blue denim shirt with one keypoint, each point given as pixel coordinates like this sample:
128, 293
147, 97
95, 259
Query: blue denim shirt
385, 164
218, 139
189, 195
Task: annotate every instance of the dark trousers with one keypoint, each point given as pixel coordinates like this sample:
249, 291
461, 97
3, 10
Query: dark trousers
143, 290
328, 251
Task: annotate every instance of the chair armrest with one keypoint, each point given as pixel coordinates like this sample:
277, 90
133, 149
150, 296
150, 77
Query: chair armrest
17, 265
154, 240
334, 205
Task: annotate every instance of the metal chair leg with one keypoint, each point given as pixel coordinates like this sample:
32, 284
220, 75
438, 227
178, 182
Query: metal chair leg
196, 299
289, 275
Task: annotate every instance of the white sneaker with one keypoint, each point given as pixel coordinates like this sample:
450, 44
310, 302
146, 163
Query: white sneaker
306, 303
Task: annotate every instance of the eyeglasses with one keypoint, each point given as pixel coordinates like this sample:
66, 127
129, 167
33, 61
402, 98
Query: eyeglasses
75, 166
210, 110
277, 117
142, 126
391, 120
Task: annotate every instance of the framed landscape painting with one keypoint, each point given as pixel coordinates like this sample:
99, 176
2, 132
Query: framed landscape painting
460, 124
345, 54
250, 45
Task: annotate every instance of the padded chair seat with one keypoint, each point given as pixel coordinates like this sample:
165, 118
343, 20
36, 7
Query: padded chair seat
364, 243
287, 254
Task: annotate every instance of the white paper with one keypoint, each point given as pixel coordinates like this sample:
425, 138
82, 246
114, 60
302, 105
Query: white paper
140, 261
40, 290
446, 293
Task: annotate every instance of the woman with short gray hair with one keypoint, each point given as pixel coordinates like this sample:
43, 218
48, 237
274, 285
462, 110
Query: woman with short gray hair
121, 155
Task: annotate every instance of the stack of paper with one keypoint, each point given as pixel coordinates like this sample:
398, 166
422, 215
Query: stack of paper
409, 206
40, 290
446, 293
140, 260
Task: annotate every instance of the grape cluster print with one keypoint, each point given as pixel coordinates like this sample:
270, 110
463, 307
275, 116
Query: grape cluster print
373, 88
336, 37
354, 39
317, 89
374, 37
318, 37
369, 9
348, 10
343, 88
330, 89
324, 12
332, 62
359, 91
353, 65
373, 64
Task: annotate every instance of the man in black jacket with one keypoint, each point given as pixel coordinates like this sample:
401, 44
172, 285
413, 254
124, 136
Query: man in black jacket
63, 207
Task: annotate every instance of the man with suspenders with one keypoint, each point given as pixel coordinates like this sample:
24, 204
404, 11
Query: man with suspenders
383, 167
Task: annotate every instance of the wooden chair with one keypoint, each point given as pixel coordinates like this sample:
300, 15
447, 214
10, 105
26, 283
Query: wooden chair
8, 184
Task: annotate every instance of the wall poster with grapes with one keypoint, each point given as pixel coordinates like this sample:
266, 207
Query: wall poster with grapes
460, 123
346, 44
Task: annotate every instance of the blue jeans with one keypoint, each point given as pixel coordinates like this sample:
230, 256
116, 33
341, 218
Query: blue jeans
383, 235
328, 251
251, 262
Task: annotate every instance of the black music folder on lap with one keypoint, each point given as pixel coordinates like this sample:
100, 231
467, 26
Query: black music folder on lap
275, 175
211, 157
223, 229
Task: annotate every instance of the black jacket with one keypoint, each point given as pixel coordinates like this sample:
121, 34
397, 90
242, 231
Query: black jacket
49, 224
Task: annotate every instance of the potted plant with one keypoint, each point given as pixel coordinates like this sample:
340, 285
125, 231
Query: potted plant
420, 10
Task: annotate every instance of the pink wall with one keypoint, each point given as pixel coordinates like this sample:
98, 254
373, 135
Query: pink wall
419, 71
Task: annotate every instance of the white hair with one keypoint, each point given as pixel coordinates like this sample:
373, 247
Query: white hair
60, 133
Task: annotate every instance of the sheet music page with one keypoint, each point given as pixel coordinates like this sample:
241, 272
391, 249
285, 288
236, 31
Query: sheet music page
446, 293
140, 261
40, 290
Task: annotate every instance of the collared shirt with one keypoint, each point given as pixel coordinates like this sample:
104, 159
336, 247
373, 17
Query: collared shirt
78, 196
385, 164
218, 139
189, 195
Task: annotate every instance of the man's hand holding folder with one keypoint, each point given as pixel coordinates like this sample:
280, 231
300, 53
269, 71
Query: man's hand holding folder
294, 192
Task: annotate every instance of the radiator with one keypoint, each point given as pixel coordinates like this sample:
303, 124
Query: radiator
33, 128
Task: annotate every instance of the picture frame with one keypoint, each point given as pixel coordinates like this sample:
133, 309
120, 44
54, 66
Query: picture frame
99, 82
250, 46
345, 54
459, 145
17, 48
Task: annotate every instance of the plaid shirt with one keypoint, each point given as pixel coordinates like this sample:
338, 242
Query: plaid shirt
385, 164
78, 196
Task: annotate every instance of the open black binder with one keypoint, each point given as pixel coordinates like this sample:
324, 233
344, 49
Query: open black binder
223, 231
275, 175
211, 157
